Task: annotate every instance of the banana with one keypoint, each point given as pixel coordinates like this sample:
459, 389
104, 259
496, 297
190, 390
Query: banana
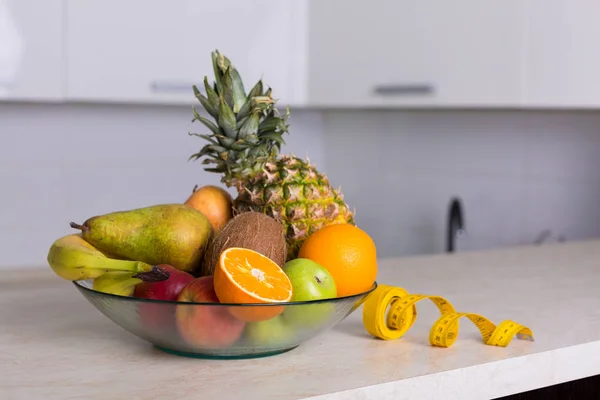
72, 258
124, 283
119, 283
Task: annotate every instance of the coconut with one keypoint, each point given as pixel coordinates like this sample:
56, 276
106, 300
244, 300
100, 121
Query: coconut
250, 230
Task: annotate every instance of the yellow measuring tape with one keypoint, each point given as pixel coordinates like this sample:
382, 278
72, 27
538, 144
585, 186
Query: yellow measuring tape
403, 313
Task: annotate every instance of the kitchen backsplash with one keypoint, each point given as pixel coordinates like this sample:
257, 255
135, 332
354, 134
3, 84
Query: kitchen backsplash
517, 173
63, 163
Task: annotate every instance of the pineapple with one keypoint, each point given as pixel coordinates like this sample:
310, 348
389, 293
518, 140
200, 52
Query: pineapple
244, 144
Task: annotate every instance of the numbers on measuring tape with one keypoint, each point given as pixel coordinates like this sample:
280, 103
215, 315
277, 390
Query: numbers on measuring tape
402, 315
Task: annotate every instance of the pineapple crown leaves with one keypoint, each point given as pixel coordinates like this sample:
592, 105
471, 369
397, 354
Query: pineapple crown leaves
246, 129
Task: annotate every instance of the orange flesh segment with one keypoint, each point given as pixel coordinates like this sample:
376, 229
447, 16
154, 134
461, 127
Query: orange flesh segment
257, 275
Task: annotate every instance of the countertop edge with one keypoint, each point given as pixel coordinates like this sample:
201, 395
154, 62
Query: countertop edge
490, 380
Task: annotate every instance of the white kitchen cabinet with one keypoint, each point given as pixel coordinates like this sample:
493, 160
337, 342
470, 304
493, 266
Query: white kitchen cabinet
38, 70
414, 53
154, 51
563, 53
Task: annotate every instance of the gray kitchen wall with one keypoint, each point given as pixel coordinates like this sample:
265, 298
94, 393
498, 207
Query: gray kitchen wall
518, 173
63, 163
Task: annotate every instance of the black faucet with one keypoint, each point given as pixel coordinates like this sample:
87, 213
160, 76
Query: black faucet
455, 223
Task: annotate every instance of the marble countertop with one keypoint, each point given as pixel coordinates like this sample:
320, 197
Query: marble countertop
55, 345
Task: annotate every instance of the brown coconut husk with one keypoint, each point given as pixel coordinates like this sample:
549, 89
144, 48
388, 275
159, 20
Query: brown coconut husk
251, 230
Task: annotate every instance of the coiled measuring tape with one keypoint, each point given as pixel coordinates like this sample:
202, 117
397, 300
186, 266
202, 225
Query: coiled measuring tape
402, 315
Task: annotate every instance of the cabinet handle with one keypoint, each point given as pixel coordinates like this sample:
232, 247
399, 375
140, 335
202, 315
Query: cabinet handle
172, 87
408, 89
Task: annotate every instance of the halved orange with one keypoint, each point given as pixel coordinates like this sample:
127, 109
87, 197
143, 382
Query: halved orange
246, 276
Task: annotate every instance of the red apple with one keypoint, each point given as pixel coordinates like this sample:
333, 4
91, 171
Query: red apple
159, 317
164, 290
206, 325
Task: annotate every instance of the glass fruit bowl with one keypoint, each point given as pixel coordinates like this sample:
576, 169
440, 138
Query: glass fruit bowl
212, 330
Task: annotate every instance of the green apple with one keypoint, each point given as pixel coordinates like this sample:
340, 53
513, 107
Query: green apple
310, 281
270, 332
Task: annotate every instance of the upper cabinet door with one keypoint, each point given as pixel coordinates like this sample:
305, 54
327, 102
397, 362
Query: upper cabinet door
154, 51
563, 53
31, 50
425, 52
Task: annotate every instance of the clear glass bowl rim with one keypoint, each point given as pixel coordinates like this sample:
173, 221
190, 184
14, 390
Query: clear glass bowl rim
277, 304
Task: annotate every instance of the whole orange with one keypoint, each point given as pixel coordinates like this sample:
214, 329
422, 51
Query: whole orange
214, 202
348, 253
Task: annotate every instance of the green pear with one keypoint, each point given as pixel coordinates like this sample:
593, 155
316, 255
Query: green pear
174, 234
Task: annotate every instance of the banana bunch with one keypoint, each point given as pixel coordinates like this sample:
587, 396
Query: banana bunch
119, 283
124, 283
72, 258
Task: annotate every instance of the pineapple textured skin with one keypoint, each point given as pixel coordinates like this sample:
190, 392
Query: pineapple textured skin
292, 191
244, 144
